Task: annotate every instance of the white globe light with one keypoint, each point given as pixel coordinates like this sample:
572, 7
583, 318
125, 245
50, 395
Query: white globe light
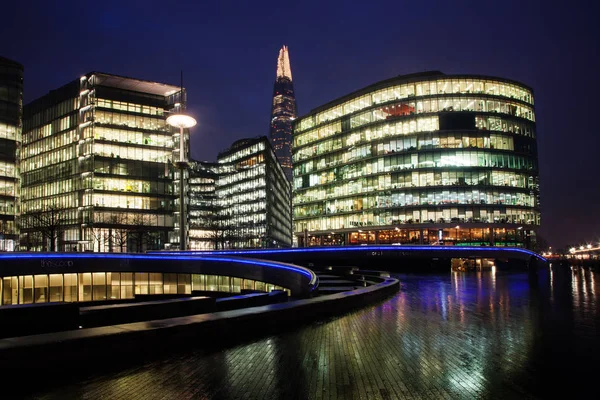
181, 121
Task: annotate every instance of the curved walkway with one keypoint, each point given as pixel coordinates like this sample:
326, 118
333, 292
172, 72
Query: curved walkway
449, 336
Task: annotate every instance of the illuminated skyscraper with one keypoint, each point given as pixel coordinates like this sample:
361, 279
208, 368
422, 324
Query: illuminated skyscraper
283, 113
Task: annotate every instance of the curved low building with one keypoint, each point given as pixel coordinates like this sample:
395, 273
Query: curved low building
424, 158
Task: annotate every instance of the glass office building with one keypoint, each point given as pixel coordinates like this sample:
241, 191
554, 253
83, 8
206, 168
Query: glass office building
204, 213
426, 158
96, 166
251, 203
11, 112
283, 112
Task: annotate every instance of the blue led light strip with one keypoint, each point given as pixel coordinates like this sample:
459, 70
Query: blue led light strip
162, 256
363, 248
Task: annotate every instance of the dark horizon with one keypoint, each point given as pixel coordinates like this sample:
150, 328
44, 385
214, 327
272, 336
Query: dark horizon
228, 52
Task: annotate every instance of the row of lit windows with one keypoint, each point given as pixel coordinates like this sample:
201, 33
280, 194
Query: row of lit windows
132, 153
502, 107
11, 132
411, 161
45, 173
233, 199
245, 152
8, 188
240, 175
128, 201
416, 179
130, 185
52, 188
127, 219
130, 121
46, 159
58, 202
7, 169
97, 286
409, 90
244, 186
7, 206
424, 216
500, 236
405, 127
49, 114
419, 197
423, 142
118, 166
49, 143
53, 128
130, 107
135, 137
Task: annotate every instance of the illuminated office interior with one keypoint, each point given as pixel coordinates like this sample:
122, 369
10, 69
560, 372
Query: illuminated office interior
96, 166
426, 158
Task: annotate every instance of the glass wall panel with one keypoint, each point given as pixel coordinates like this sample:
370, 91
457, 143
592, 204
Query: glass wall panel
236, 285
114, 280
127, 285
56, 287
26, 289
99, 286
141, 283
156, 283
85, 286
211, 283
198, 282
70, 287
170, 283
184, 284
224, 284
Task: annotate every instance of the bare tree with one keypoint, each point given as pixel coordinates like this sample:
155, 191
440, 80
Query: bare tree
213, 222
117, 232
140, 232
99, 236
49, 223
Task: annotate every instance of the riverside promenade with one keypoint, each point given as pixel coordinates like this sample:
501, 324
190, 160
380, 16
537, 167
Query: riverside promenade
444, 335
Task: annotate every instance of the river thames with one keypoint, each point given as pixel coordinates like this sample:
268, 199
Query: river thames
491, 334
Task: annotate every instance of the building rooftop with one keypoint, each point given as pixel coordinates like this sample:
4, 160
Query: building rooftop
133, 84
415, 77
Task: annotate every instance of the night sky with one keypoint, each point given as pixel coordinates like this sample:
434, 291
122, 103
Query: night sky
228, 52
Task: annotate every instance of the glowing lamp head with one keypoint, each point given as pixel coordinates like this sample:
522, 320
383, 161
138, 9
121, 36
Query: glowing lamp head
181, 121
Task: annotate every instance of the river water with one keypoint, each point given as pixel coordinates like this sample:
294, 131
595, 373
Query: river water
490, 334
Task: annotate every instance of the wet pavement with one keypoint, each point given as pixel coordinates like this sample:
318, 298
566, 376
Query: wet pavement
449, 335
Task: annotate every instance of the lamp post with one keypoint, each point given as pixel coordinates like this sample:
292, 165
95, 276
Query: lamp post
181, 121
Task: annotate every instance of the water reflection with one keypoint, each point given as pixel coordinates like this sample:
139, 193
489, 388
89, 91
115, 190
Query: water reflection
456, 334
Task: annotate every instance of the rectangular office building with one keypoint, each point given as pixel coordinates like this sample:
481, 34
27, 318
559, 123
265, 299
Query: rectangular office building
96, 166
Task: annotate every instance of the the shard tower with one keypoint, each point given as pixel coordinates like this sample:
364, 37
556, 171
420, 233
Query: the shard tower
283, 113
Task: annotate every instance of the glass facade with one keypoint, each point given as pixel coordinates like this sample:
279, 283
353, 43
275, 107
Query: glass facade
98, 286
11, 112
424, 158
96, 166
283, 112
242, 201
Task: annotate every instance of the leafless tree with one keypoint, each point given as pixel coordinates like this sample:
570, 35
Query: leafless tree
117, 232
49, 222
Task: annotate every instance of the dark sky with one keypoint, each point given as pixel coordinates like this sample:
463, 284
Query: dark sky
228, 52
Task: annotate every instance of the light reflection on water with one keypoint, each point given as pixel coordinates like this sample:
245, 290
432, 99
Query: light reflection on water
456, 334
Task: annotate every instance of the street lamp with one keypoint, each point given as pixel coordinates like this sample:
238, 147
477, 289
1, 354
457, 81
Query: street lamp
181, 121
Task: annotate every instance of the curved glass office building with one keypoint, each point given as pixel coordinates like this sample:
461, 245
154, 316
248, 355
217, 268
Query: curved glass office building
424, 158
